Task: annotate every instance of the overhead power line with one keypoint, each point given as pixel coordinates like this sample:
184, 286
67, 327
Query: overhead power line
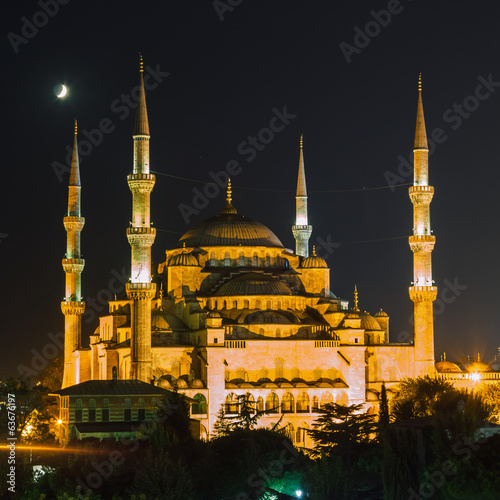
285, 190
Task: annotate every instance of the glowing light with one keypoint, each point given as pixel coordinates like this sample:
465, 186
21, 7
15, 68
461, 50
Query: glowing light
59, 421
61, 91
475, 376
298, 494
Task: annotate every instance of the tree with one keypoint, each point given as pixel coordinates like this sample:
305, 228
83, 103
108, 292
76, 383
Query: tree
383, 415
340, 429
491, 396
420, 397
246, 419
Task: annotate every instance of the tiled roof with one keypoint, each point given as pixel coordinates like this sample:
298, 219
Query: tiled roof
111, 388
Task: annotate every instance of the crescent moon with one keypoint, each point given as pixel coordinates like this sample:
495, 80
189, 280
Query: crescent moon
64, 91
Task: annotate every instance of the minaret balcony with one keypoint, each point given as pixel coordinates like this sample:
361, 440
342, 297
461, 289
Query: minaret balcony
74, 223
423, 293
141, 183
73, 265
422, 242
141, 291
421, 194
141, 236
73, 307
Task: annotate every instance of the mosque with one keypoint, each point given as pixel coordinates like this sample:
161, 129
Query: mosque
231, 311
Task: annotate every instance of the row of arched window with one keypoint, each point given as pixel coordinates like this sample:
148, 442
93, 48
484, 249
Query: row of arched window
270, 304
241, 261
288, 403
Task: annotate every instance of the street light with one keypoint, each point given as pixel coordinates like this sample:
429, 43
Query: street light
298, 493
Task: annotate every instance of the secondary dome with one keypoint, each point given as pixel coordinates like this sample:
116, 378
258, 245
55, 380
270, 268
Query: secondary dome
478, 366
254, 284
230, 229
447, 367
313, 261
183, 259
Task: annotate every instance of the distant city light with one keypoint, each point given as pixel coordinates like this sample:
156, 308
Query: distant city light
298, 493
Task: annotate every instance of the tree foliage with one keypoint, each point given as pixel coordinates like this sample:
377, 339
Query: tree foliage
340, 428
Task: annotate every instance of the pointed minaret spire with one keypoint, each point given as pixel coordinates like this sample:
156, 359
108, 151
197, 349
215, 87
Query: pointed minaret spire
141, 124
423, 292
141, 236
301, 230
73, 306
356, 307
420, 133
74, 176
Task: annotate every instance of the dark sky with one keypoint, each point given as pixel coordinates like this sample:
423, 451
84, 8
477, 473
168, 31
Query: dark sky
225, 78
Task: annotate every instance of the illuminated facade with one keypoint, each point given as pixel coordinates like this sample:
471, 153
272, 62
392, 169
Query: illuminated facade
231, 311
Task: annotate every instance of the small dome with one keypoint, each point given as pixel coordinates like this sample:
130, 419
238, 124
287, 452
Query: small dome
213, 314
158, 320
267, 318
164, 383
183, 259
381, 314
495, 366
478, 366
368, 322
447, 367
352, 315
181, 383
313, 261
197, 384
254, 284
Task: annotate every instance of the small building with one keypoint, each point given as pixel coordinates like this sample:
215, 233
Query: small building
106, 408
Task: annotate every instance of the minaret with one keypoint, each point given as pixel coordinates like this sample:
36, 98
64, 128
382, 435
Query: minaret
141, 236
73, 306
422, 293
301, 230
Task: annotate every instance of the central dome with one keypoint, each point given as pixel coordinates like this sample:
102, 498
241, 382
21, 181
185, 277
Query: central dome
254, 284
230, 229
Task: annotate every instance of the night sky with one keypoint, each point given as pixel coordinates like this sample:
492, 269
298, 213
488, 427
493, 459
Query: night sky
218, 75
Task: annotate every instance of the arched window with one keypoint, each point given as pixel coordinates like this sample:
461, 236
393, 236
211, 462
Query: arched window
246, 304
235, 304
241, 259
342, 398
260, 404
231, 404
227, 259
212, 259
268, 260
279, 304
278, 333
285, 304
272, 403
251, 401
242, 374
303, 403
257, 304
255, 260
127, 410
278, 368
175, 368
326, 399
200, 405
91, 410
288, 403
318, 373
105, 410
78, 410
154, 402
315, 404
